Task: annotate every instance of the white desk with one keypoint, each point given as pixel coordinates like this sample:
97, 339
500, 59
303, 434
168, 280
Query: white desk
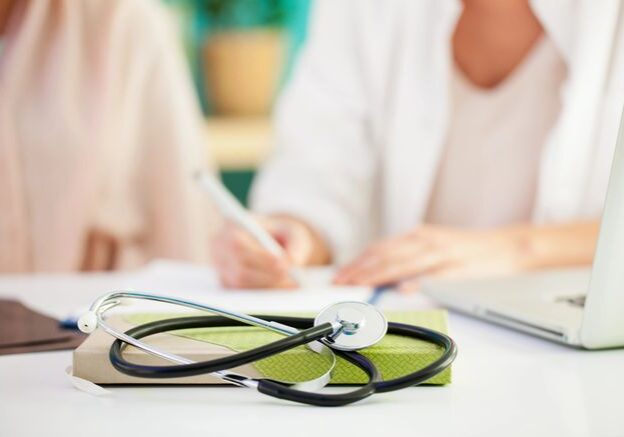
505, 384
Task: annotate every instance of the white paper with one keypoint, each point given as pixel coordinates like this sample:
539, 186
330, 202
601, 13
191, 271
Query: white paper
85, 385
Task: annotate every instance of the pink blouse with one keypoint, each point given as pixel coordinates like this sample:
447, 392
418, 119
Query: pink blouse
99, 134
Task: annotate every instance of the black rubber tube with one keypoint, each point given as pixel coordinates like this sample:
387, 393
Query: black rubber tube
266, 386
199, 368
281, 390
449, 352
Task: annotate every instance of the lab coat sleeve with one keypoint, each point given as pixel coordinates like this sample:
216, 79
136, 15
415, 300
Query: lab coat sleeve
323, 166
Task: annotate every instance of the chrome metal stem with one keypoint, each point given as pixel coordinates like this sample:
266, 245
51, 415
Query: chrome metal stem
110, 300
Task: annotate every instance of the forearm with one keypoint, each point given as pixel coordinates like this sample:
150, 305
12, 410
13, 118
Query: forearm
547, 246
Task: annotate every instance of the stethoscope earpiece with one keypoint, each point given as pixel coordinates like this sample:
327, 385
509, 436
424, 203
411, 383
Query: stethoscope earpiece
88, 322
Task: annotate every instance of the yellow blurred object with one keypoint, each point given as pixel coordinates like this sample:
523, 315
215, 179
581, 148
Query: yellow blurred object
239, 143
242, 70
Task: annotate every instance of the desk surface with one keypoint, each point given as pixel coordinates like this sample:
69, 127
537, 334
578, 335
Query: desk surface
505, 383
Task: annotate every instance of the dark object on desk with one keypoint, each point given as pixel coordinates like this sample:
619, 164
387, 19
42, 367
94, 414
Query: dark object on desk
23, 330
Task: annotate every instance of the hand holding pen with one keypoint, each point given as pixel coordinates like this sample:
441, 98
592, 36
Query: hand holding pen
242, 262
253, 252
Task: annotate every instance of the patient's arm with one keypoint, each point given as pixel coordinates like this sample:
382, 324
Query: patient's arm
439, 251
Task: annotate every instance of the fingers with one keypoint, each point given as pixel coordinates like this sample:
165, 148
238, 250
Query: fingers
383, 261
235, 277
409, 286
293, 236
242, 263
395, 270
298, 247
246, 251
375, 256
397, 259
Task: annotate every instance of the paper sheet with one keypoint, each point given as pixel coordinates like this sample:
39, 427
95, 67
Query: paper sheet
199, 283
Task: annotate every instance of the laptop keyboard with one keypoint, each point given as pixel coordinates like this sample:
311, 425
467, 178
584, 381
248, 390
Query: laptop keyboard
577, 301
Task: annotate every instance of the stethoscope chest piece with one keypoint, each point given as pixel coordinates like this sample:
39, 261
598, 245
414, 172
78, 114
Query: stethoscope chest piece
362, 325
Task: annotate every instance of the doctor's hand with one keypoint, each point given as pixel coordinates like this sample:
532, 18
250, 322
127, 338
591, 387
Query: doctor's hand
242, 262
437, 251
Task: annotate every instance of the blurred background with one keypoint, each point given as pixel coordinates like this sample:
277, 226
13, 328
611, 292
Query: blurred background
463, 129
240, 53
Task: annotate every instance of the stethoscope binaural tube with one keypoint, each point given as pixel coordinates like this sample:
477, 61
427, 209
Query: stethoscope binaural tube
199, 368
94, 319
268, 387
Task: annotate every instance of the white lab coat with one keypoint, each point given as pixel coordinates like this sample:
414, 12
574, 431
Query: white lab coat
362, 125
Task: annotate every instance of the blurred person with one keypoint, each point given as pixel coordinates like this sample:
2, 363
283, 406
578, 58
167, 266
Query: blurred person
439, 138
99, 134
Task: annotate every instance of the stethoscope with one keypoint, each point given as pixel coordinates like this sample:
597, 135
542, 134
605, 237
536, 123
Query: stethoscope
338, 330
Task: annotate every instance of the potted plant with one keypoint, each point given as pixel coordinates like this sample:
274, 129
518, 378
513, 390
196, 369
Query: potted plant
243, 54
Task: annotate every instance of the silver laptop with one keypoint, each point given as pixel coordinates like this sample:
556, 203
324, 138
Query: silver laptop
583, 308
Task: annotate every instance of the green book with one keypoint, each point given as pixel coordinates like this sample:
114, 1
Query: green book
394, 356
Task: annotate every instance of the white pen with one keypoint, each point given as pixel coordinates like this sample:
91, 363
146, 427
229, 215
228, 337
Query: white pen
231, 209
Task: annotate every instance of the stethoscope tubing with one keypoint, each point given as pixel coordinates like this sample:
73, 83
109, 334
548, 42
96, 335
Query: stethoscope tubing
275, 388
198, 368
269, 387
95, 318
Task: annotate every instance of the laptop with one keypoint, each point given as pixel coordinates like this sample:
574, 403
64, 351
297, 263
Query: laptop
579, 307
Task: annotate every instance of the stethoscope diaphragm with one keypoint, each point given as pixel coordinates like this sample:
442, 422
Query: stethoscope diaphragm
363, 325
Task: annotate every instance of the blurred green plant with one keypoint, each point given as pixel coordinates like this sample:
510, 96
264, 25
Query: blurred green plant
240, 14
201, 18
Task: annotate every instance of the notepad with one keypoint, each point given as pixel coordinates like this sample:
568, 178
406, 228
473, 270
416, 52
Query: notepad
395, 356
